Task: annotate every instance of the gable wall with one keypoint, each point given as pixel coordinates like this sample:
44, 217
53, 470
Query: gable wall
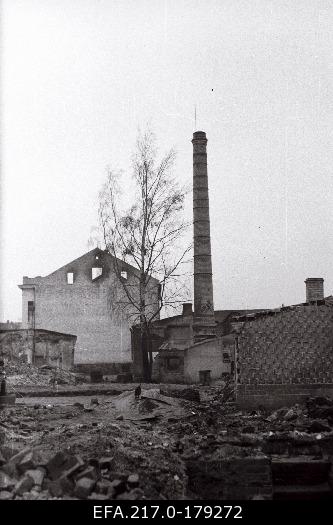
88, 309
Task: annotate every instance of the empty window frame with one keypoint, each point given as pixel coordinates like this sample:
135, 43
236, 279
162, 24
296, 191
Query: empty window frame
31, 309
226, 357
70, 278
123, 274
96, 272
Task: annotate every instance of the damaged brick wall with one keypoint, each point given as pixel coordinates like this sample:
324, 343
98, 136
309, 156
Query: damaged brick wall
230, 479
17, 344
285, 356
39, 347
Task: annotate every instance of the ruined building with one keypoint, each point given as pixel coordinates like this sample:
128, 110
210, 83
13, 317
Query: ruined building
286, 355
39, 347
84, 298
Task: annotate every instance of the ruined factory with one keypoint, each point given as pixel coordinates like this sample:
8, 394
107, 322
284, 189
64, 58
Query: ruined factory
277, 356
239, 406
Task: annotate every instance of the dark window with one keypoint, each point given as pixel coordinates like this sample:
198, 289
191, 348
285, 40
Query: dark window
204, 377
173, 363
31, 309
39, 360
226, 357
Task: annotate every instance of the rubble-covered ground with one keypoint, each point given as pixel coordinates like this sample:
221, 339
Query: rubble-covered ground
20, 373
117, 447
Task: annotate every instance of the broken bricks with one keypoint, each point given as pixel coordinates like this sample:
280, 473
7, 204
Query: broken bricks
90, 472
63, 464
6, 481
84, 487
25, 484
106, 463
103, 486
37, 475
133, 481
5, 495
117, 486
28, 462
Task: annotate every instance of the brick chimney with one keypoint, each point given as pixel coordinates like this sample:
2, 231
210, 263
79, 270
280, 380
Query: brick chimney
204, 319
314, 289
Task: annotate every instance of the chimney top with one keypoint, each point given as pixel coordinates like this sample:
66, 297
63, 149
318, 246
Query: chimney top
199, 135
314, 289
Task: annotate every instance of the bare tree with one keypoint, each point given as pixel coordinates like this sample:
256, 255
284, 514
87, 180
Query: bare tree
147, 235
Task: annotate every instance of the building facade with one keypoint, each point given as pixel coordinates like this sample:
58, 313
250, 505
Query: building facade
86, 299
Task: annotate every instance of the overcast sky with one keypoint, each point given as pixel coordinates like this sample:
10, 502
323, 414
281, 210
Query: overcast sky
80, 76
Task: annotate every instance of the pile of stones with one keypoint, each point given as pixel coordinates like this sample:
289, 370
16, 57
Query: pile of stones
29, 474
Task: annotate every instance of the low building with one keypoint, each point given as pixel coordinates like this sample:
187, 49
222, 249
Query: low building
86, 299
178, 359
39, 347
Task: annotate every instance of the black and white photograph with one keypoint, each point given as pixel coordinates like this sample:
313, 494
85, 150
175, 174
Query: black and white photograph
166, 300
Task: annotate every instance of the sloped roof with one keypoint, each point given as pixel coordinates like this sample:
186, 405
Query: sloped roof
328, 301
222, 315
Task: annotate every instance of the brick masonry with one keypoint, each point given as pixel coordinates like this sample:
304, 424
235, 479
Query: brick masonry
285, 356
230, 479
204, 322
314, 289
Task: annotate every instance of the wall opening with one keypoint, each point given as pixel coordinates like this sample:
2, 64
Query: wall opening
123, 274
31, 309
96, 272
226, 357
205, 377
70, 277
172, 363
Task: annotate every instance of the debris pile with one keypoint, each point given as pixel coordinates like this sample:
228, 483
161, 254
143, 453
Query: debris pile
121, 447
30, 474
20, 373
190, 393
95, 433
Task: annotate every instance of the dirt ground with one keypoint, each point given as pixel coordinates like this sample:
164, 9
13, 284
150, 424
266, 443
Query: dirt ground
126, 448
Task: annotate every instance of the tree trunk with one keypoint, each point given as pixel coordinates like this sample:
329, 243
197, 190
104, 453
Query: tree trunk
144, 354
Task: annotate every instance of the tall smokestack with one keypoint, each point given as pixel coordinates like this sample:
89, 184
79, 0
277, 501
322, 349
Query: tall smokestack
204, 319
